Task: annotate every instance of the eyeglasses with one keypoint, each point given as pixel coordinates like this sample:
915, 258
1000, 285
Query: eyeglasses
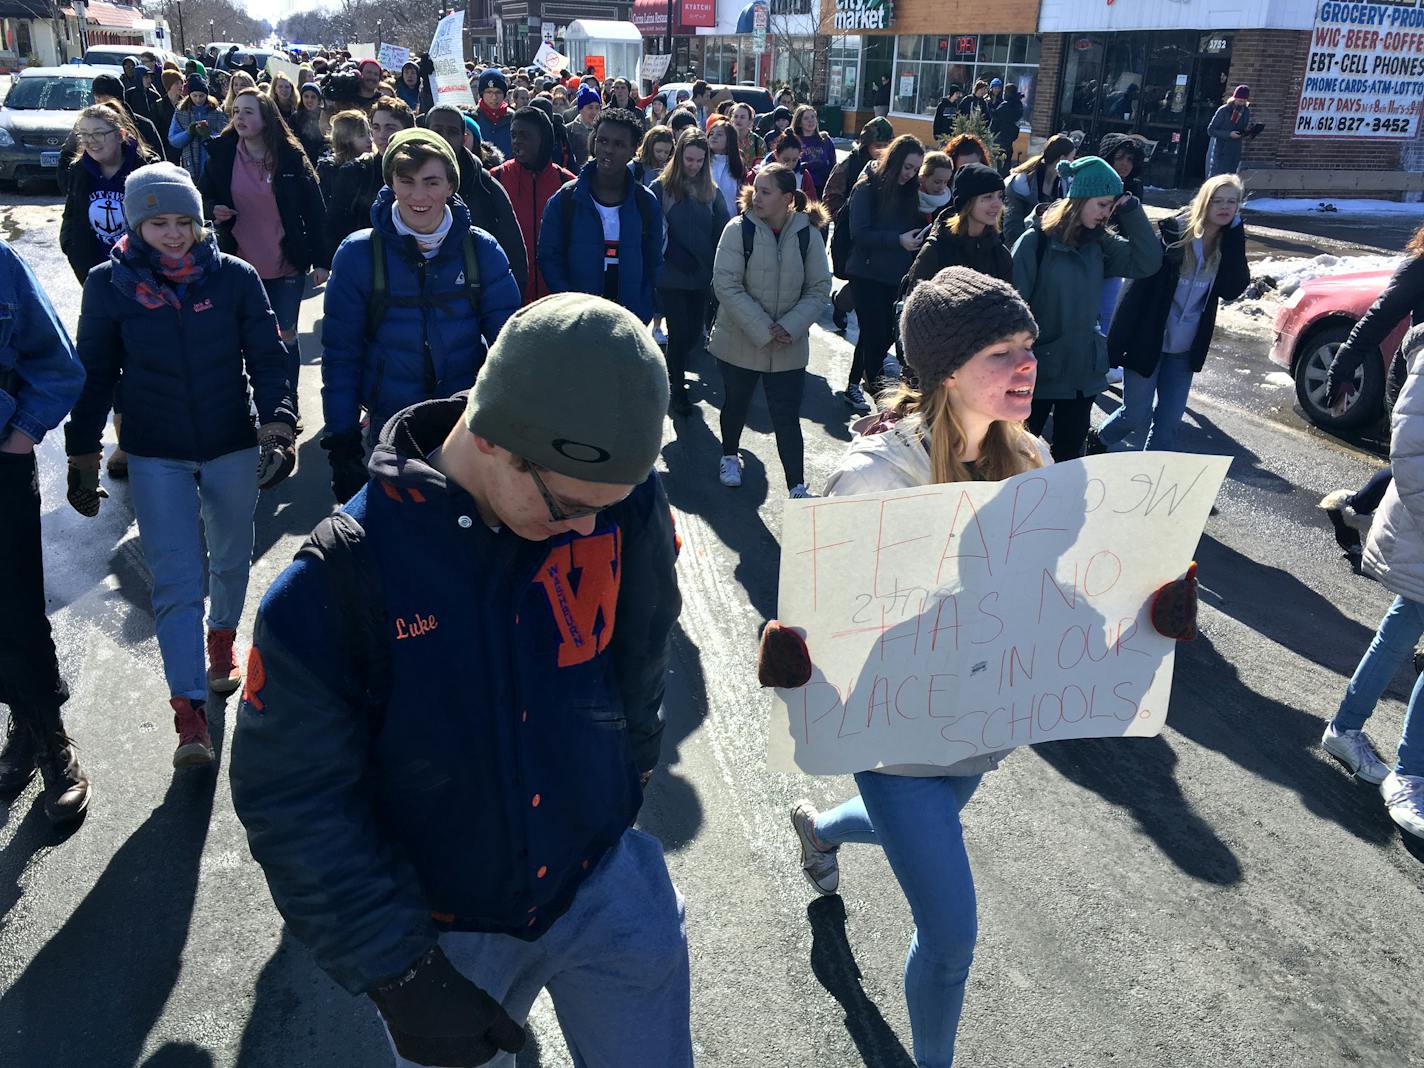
557, 514
93, 138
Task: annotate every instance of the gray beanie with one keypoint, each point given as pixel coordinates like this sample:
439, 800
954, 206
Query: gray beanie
574, 384
160, 189
955, 314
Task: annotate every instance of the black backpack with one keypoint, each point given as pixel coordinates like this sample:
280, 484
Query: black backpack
840, 241
803, 238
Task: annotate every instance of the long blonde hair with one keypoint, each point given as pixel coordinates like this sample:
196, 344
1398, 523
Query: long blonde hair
1007, 450
239, 81
1064, 220
1194, 223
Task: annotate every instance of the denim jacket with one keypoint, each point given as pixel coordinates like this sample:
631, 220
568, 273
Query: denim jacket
40, 375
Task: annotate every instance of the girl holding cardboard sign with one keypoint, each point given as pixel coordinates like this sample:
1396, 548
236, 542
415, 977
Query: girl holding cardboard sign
969, 339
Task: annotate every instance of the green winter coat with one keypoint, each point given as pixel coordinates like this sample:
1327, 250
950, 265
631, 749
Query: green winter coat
1063, 288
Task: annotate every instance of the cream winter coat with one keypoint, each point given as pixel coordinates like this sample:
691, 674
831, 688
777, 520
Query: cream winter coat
890, 460
774, 286
1394, 551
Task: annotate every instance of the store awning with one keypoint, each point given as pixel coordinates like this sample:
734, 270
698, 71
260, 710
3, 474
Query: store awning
112, 16
650, 16
746, 21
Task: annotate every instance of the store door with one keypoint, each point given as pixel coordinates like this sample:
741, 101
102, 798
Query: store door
1208, 91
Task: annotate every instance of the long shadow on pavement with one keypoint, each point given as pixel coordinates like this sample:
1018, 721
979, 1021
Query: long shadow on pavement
94, 992
672, 811
834, 967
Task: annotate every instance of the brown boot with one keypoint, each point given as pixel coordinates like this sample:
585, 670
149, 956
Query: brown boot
191, 723
224, 675
66, 787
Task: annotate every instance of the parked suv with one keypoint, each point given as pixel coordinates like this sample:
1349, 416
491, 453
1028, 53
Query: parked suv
37, 116
1311, 326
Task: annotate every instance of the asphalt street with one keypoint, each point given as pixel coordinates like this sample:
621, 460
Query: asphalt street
1222, 895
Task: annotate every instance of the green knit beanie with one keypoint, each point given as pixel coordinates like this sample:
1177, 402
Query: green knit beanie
429, 140
1091, 177
575, 385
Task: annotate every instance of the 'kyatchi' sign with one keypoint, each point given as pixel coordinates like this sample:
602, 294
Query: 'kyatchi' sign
1365, 73
954, 620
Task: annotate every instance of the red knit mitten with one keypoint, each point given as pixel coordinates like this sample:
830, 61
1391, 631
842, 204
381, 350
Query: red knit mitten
1174, 607
783, 661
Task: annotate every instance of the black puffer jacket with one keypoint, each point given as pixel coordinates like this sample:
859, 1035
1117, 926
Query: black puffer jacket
492, 212
1135, 339
1401, 299
192, 366
353, 189
298, 196
986, 254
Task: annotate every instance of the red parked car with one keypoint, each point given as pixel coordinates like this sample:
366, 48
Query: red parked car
1312, 324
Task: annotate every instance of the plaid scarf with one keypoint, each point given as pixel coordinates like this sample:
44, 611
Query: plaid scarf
145, 274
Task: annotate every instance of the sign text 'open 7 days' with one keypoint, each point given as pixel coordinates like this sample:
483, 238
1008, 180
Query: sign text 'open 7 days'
948, 621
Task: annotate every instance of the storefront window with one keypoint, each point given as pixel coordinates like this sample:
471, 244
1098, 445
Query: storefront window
1122, 77
924, 67
1082, 66
843, 72
791, 62
1169, 68
879, 61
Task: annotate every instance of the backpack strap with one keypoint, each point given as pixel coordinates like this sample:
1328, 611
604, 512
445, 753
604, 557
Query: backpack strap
340, 542
803, 238
380, 289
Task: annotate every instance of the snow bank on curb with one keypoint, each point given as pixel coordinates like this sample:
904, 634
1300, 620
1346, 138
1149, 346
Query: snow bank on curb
1274, 280
1330, 206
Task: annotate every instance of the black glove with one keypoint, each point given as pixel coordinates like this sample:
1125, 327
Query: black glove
437, 1016
348, 462
277, 457
85, 493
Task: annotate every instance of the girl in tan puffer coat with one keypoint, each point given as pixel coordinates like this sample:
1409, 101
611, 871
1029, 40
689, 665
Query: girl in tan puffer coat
772, 279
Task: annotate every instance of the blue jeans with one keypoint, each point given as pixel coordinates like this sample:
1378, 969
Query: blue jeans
916, 822
1107, 303
615, 966
285, 296
170, 499
1392, 645
1169, 386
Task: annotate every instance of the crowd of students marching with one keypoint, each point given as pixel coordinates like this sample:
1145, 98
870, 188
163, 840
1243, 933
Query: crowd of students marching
431, 226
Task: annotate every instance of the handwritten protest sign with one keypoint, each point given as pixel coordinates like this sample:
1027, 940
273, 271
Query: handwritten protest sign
550, 59
393, 57
947, 621
447, 54
597, 64
653, 68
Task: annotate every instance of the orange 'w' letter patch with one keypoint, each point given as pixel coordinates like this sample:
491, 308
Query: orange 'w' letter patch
581, 579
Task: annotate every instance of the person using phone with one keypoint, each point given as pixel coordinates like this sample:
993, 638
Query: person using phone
195, 119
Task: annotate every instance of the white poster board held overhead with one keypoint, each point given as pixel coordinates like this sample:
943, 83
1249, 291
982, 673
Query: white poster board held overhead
362, 51
653, 68
393, 57
550, 59
447, 55
949, 621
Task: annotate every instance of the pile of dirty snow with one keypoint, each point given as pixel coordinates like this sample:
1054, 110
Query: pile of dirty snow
1329, 206
1274, 280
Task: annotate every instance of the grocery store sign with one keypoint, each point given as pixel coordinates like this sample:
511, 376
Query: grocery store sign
1365, 73
865, 14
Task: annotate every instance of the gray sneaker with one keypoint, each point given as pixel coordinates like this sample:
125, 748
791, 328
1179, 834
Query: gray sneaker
1355, 750
820, 866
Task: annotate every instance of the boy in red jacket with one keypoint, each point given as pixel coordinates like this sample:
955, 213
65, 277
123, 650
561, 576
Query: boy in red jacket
531, 178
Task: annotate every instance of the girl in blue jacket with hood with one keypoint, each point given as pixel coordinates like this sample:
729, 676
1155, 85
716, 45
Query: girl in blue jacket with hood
424, 334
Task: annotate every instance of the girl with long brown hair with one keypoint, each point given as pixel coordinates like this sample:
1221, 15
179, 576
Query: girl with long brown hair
262, 194
886, 230
1035, 181
729, 170
697, 213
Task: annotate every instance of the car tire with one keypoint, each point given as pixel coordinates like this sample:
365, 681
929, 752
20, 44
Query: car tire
1312, 363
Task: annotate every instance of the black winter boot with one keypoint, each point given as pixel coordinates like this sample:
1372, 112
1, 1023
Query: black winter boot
17, 758
66, 787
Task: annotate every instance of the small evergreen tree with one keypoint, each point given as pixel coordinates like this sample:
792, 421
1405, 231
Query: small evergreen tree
976, 124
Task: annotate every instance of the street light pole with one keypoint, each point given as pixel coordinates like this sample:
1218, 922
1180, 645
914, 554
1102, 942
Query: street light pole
182, 38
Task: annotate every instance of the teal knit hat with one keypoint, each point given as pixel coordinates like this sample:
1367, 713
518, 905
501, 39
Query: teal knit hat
1091, 177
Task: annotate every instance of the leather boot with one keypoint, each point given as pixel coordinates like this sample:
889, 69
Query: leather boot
224, 675
17, 758
66, 787
191, 722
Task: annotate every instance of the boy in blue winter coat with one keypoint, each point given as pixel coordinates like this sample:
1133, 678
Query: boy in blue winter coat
414, 324
454, 700
603, 232
40, 379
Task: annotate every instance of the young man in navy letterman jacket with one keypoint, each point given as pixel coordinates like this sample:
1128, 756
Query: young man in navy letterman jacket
451, 832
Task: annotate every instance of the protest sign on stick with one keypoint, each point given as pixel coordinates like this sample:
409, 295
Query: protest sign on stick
447, 55
550, 59
653, 68
362, 51
948, 621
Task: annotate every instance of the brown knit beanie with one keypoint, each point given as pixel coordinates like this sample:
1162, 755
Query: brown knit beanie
952, 316
170, 78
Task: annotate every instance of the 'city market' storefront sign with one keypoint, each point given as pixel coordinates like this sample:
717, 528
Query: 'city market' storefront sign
865, 14
1365, 73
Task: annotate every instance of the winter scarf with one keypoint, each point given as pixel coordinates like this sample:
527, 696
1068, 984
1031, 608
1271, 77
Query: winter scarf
147, 275
929, 205
429, 244
495, 115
